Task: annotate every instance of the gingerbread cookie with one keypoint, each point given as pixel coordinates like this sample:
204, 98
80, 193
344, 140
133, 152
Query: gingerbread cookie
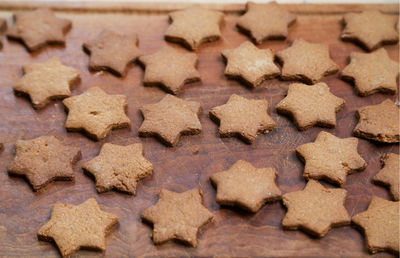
379, 122
96, 113
372, 73
246, 186
370, 29
250, 64
330, 158
112, 52
43, 160
38, 28
46, 81
380, 223
74, 227
177, 216
170, 118
315, 209
119, 167
194, 26
389, 175
242, 117
170, 69
3, 27
310, 105
265, 21
306, 62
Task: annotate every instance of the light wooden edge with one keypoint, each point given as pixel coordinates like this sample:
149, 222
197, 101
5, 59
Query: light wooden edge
142, 7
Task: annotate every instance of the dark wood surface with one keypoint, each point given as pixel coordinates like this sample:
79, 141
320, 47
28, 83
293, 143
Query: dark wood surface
233, 232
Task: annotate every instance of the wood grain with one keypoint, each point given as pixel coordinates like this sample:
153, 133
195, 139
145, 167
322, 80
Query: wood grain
233, 232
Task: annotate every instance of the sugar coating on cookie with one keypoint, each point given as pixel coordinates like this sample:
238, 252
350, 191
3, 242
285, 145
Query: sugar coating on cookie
380, 223
310, 105
46, 81
306, 62
265, 21
250, 64
245, 186
315, 209
389, 175
96, 113
43, 160
177, 216
39, 28
379, 122
73, 227
119, 167
170, 69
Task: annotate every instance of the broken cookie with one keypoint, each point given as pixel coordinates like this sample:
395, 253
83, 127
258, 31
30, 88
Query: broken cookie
246, 186
96, 113
119, 167
250, 64
43, 160
389, 175
46, 81
379, 122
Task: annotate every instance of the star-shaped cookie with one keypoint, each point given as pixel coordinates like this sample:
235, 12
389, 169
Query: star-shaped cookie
315, 209
119, 167
370, 29
46, 81
170, 118
177, 216
380, 223
170, 69
306, 62
246, 186
379, 122
265, 21
310, 105
194, 26
250, 64
96, 113
242, 117
372, 73
331, 158
112, 52
38, 28
43, 160
390, 174
74, 227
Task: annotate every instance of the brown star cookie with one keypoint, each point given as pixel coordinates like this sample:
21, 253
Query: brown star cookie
194, 26
74, 227
242, 117
3, 27
119, 167
250, 64
46, 81
330, 158
246, 186
390, 174
380, 223
170, 118
96, 113
370, 29
38, 28
306, 62
379, 122
43, 160
177, 216
265, 21
310, 105
112, 52
372, 73
315, 209
170, 69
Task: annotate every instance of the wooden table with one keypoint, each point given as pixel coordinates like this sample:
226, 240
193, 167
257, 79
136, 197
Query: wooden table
233, 232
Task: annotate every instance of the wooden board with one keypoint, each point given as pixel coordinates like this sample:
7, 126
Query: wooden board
233, 232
